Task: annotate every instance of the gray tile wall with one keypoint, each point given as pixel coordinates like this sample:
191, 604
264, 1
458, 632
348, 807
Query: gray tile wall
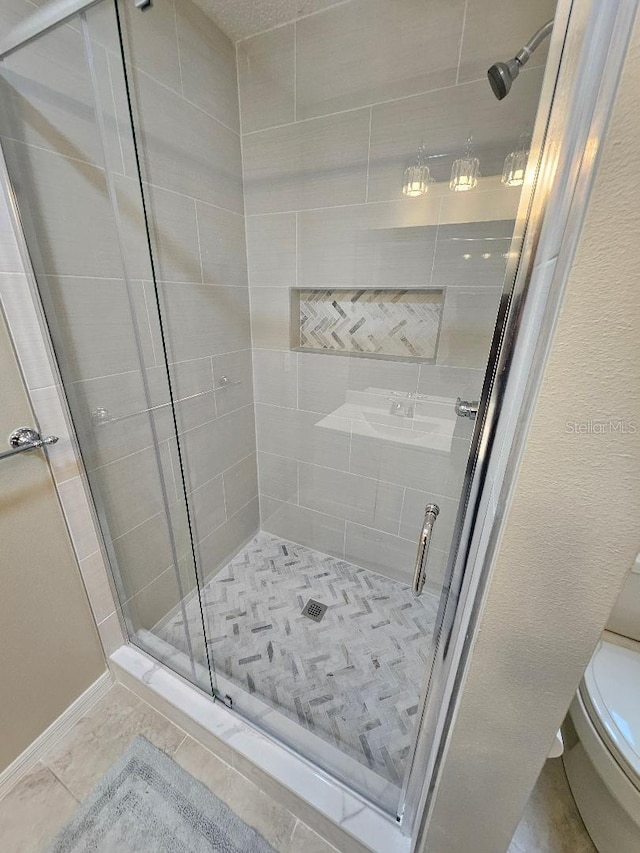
333, 108
191, 159
185, 87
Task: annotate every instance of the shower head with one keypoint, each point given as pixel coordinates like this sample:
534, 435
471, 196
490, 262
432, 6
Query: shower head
502, 74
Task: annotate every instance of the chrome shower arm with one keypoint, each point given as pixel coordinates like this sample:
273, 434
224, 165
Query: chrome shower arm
524, 54
502, 74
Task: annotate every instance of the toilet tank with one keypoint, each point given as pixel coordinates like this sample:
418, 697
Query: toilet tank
625, 617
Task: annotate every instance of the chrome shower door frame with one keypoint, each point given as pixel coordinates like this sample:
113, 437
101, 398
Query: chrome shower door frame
586, 55
48, 17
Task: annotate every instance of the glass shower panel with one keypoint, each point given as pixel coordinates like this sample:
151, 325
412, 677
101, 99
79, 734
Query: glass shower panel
190, 160
72, 164
374, 305
285, 375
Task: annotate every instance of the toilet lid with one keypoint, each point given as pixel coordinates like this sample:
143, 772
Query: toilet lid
612, 684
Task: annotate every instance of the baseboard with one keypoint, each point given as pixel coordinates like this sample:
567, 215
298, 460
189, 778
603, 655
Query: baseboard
27, 760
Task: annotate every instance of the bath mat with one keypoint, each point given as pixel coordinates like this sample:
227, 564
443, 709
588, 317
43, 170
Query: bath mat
146, 803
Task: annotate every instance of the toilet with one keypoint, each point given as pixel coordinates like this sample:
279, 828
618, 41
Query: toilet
602, 735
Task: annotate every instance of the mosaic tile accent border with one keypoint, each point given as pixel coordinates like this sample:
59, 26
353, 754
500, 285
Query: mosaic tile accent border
384, 323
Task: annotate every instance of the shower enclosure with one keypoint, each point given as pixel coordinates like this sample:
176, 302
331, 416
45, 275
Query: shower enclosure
272, 307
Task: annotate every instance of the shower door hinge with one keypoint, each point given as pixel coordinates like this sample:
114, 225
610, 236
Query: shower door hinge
222, 697
142, 4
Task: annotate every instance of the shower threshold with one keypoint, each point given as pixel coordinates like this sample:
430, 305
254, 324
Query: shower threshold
339, 694
298, 783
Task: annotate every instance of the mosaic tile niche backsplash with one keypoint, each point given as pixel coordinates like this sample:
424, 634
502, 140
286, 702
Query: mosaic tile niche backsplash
397, 323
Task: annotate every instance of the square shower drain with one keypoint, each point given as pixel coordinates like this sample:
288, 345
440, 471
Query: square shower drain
314, 610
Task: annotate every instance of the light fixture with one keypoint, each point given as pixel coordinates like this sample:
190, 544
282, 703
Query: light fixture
417, 177
515, 164
465, 171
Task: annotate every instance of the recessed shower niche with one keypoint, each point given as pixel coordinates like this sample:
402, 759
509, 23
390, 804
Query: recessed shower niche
389, 323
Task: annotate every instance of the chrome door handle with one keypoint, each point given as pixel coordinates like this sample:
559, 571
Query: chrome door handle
431, 512
26, 438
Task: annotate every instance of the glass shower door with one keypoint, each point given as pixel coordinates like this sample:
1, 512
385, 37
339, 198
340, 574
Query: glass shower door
360, 336
374, 306
72, 160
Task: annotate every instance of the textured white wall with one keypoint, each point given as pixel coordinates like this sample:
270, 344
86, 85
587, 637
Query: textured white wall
242, 18
572, 530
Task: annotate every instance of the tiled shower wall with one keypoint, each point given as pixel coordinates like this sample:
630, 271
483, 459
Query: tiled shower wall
190, 151
333, 108
187, 104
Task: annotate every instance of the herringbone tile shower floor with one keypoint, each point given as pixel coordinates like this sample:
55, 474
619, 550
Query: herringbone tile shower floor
353, 679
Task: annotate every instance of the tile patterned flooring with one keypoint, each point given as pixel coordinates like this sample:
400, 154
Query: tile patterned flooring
353, 678
46, 798
551, 822
37, 807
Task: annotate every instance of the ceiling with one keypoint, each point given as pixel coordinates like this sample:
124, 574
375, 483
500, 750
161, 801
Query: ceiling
242, 18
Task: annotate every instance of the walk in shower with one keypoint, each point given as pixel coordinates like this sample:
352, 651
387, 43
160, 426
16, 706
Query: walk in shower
271, 255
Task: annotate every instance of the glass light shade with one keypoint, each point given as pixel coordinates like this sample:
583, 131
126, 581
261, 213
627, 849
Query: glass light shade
515, 166
464, 174
416, 180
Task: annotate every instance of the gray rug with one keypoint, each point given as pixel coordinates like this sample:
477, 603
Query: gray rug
146, 803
